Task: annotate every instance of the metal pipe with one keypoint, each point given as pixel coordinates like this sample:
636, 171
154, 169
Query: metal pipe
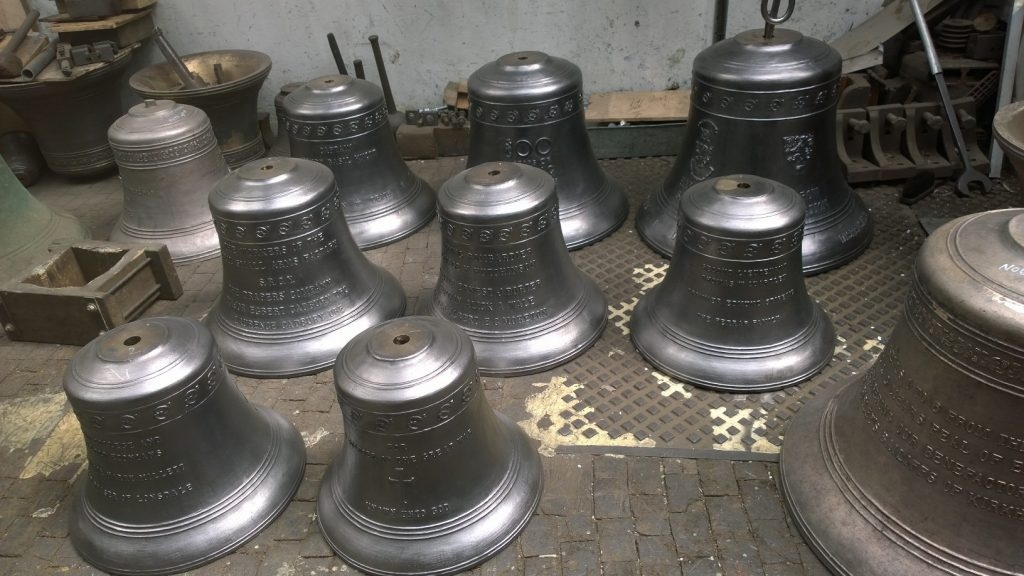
721, 21
378, 56
189, 79
360, 72
333, 43
36, 65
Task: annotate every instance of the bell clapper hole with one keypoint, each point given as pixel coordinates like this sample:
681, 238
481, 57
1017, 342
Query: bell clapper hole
266, 167
742, 185
494, 172
132, 341
522, 58
401, 339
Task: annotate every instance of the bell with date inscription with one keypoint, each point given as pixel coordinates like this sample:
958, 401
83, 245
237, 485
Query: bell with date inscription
296, 287
431, 480
917, 467
506, 276
182, 468
733, 313
767, 106
169, 162
342, 122
528, 107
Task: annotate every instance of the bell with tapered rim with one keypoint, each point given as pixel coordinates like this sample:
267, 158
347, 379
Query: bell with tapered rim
296, 287
917, 467
527, 107
431, 480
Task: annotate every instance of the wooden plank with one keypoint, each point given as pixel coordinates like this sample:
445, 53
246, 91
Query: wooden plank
12, 13
883, 25
663, 106
60, 23
125, 5
34, 44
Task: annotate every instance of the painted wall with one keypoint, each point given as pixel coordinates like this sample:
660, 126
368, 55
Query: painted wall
619, 44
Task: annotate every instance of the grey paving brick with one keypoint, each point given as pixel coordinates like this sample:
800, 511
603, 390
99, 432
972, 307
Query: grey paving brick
774, 542
580, 559
661, 569
650, 514
739, 556
717, 478
294, 523
568, 486
543, 566
682, 490
753, 470
625, 568
540, 536
783, 569
577, 528
761, 500
611, 499
509, 561
655, 550
314, 545
281, 558
812, 565
691, 531
617, 540
240, 564
610, 467
728, 518
645, 476
702, 566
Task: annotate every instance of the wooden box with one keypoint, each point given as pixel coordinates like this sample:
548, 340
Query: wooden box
123, 29
86, 288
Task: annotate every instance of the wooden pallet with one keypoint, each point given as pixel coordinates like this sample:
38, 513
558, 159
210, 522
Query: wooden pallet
124, 29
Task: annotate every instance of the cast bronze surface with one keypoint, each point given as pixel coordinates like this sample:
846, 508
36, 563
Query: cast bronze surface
21, 153
169, 162
182, 468
27, 227
281, 146
1008, 130
767, 107
733, 313
506, 277
431, 480
230, 102
296, 287
85, 288
915, 467
527, 107
342, 122
69, 118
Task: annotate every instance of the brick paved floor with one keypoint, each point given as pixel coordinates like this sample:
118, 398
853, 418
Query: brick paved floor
599, 514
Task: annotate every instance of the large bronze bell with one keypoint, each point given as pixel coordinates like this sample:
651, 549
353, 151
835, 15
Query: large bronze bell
342, 122
506, 277
431, 480
169, 162
918, 466
281, 146
235, 78
296, 287
28, 227
733, 313
767, 107
70, 117
182, 468
528, 107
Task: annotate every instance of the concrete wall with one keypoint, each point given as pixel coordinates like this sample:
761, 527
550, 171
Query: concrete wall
619, 44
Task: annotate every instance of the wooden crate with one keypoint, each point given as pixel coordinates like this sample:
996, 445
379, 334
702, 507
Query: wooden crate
86, 288
124, 29
126, 5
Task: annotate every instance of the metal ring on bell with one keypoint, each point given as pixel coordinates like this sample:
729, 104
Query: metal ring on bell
182, 468
506, 276
527, 107
733, 313
431, 480
296, 286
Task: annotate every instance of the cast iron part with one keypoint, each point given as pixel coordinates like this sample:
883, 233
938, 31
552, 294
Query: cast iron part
189, 79
336, 53
360, 72
378, 57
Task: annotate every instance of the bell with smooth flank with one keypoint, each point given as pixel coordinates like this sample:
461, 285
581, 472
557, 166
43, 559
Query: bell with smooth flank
431, 480
767, 107
733, 313
296, 287
281, 145
182, 468
28, 227
342, 122
234, 79
527, 107
169, 162
69, 117
506, 277
916, 466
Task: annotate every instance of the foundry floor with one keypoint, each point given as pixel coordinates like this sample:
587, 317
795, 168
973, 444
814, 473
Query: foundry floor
644, 474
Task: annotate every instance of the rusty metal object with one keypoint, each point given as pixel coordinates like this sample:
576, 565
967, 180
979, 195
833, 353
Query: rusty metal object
506, 277
914, 468
85, 288
169, 162
296, 287
965, 110
10, 63
885, 144
431, 479
342, 122
527, 107
851, 128
182, 468
230, 104
925, 131
21, 153
733, 313
781, 93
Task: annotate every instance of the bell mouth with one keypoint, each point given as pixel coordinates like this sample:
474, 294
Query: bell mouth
239, 68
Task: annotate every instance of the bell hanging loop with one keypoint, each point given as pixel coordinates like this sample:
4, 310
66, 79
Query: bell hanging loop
771, 15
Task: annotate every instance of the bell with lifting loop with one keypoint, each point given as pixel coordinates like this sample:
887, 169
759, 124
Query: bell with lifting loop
296, 287
342, 122
169, 162
528, 107
431, 480
506, 277
182, 468
764, 103
916, 467
733, 313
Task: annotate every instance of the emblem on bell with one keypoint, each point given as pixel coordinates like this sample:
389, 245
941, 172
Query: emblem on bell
182, 468
342, 122
778, 96
431, 480
169, 162
916, 467
733, 313
296, 287
527, 107
506, 277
